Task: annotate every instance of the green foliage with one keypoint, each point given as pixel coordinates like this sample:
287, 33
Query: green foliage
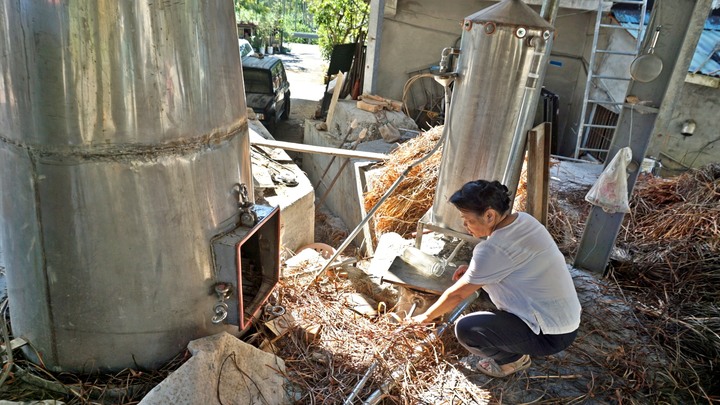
338, 21
335, 21
274, 18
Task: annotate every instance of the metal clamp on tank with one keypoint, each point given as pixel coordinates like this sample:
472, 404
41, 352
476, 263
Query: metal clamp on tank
223, 291
248, 217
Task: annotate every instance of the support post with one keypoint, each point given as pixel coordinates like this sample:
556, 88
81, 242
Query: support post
681, 22
538, 171
374, 39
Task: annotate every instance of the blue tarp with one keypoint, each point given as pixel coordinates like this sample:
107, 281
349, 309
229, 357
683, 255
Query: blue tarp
706, 59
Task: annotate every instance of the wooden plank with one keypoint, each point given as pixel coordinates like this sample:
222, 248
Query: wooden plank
323, 150
388, 103
360, 187
414, 269
361, 303
281, 325
312, 333
371, 107
334, 100
538, 171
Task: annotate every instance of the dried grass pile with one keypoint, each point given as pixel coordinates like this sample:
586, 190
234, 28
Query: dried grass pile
673, 237
612, 361
413, 197
29, 383
681, 217
567, 212
325, 370
671, 267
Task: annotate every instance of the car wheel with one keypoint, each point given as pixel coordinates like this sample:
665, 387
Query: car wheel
286, 108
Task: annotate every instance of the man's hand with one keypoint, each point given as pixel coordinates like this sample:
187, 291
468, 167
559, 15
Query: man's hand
459, 272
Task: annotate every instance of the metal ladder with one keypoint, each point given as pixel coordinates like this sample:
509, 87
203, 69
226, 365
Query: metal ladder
589, 105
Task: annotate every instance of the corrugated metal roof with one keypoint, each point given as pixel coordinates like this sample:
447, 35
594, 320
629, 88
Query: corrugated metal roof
706, 59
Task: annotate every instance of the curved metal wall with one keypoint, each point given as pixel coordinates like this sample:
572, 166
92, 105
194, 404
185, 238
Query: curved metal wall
500, 75
123, 130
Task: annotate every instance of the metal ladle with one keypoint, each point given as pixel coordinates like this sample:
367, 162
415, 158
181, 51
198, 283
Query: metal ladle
646, 68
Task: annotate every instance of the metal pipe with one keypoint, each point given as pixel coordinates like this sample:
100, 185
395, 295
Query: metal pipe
549, 10
376, 396
374, 209
323, 150
445, 58
387, 194
359, 386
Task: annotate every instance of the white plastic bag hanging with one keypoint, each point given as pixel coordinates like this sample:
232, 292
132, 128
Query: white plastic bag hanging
610, 190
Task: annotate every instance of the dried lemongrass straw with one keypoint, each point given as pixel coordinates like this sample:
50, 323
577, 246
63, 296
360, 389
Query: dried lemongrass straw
326, 370
401, 212
673, 235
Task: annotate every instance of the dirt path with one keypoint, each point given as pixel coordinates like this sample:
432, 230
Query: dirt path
305, 70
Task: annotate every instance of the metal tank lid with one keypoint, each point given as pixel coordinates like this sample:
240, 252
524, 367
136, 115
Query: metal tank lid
511, 12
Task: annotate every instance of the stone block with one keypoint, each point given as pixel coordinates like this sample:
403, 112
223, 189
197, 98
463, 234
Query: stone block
273, 171
346, 111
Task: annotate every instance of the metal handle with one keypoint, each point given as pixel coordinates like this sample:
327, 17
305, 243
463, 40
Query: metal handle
654, 39
221, 312
274, 310
223, 291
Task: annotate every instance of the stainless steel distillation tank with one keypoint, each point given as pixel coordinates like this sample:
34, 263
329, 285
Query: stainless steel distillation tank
499, 74
123, 141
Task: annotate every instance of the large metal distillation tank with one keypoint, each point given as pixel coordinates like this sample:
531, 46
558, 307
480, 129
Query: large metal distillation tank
123, 132
500, 71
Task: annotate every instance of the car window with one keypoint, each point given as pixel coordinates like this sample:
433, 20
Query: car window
245, 48
256, 81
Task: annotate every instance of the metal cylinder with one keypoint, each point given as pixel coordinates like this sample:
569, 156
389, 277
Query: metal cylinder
500, 70
123, 131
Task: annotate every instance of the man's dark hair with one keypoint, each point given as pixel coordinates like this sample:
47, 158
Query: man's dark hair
479, 195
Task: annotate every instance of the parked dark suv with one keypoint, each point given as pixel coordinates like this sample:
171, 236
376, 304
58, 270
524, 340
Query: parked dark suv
266, 89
